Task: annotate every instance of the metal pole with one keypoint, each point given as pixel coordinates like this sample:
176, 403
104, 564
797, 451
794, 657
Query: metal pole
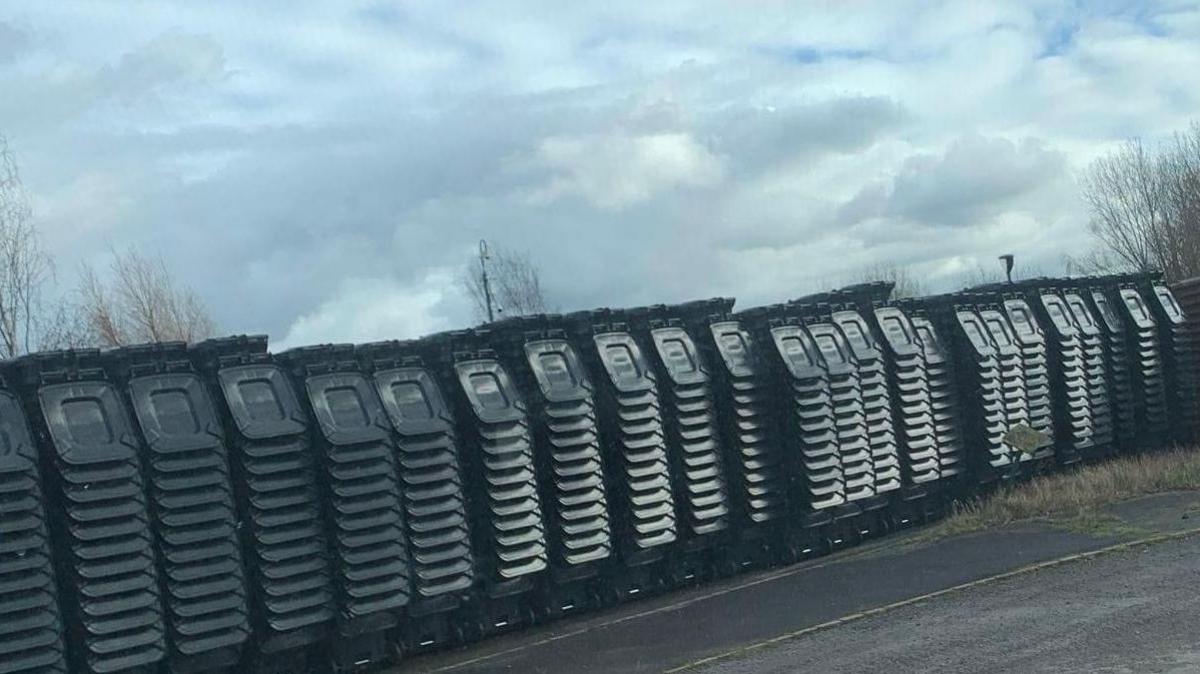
487, 288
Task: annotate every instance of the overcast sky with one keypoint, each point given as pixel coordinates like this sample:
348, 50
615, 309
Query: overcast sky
322, 171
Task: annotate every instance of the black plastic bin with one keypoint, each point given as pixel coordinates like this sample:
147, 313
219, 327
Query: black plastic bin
276, 484
1179, 359
1149, 373
1031, 340
185, 464
362, 507
30, 623
867, 356
558, 393
754, 457
1118, 374
693, 437
633, 447
504, 507
100, 519
435, 515
913, 412
1092, 341
944, 394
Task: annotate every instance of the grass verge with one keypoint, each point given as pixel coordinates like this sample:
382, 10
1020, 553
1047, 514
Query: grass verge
1075, 499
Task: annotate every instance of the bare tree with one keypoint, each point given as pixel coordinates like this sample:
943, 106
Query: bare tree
1145, 208
24, 265
141, 303
1178, 244
513, 280
905, 283
65, 327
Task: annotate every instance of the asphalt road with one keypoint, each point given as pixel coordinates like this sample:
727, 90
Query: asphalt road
1039, 616
666, 632
1130, 611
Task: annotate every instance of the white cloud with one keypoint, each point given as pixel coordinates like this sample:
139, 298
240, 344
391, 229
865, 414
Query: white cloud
292, 162
974, 178
371, 309
617, 170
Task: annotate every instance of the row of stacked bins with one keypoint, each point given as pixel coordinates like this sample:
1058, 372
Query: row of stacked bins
149, 565
1110, 344
832, 402
1147, 351
903, 369
316, 508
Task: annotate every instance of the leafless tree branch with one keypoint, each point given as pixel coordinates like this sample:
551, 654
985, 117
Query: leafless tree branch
24, 265
141, 303
515, 283
1145, 208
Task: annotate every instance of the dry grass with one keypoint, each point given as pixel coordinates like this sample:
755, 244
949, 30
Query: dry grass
1078, 496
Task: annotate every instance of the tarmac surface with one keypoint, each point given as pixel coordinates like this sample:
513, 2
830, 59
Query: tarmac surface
1129, 611
730, 621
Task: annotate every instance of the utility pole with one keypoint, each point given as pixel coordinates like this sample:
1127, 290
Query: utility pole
487, 288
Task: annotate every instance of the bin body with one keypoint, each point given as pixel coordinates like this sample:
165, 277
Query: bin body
192, 507
633, 443
96, 497
31, 628
360, 499
276, 481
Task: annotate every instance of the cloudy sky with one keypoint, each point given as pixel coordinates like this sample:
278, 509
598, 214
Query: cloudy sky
322, 171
